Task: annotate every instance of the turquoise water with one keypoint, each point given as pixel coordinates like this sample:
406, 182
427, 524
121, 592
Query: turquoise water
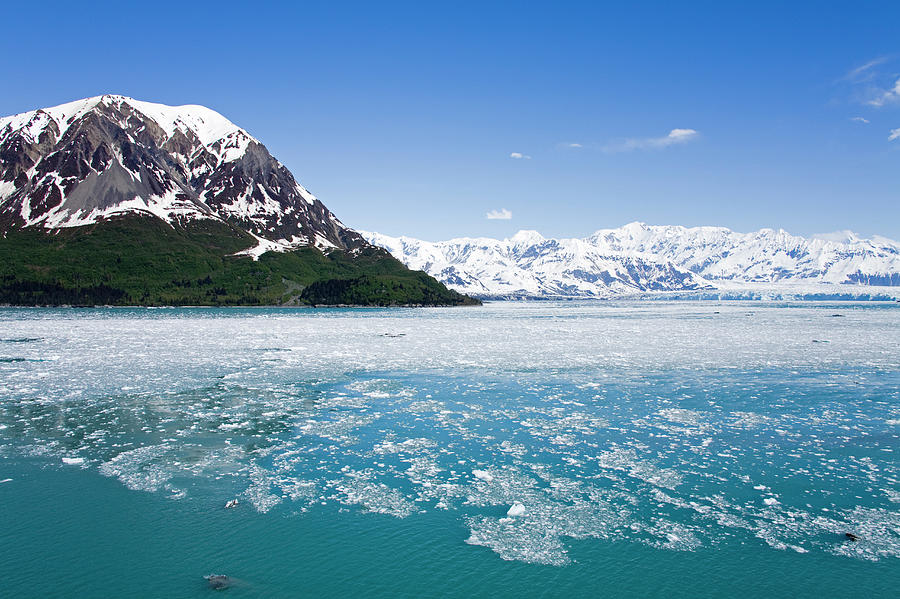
679, 449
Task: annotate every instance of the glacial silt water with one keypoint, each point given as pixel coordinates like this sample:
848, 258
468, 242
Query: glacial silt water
684, 449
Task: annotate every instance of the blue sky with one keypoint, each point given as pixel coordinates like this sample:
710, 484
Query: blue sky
421, 118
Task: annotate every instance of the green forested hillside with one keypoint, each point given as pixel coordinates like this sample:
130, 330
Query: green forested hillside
144, 261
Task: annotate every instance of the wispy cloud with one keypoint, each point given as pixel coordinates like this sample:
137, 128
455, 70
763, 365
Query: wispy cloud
573, 145
886, 96
675, 137
895, 134
502, 214
859, 119
872, 85
865, 71
519, 156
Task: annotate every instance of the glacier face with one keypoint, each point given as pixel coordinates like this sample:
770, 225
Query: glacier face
85, 161
640, 258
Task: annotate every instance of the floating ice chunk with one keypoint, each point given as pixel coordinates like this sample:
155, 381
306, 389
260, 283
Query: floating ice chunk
770, 501
517, 509
483, 475
529, 544
142, 469
673, 536
375, 497
260, 492
5, 480
73, 461
760, 487
231, 426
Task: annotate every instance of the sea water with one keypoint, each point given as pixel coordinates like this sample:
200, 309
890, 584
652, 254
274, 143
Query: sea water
683, 449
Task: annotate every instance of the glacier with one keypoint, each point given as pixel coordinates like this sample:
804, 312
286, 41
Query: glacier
639, 258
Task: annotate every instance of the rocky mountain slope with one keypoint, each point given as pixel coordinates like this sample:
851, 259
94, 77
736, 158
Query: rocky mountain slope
640, 258
86, 188
85, 161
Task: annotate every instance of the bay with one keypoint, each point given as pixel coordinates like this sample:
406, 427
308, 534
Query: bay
695, 449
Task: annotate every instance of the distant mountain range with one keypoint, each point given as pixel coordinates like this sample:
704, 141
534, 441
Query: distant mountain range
115, 200
639, 258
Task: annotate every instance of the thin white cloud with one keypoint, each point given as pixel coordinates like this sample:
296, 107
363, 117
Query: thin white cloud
859, 119
519, 156
675, 136
502, 214
886, 96
864, 71
895, 134
570, 145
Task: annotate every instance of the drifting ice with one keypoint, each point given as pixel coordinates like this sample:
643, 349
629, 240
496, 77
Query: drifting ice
483, 475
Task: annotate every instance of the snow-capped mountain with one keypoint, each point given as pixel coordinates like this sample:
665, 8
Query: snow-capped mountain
639, 258
85, 161
528, 265
765, 256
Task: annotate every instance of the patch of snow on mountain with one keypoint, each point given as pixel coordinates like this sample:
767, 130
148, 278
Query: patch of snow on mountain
33, 122
6, 189
208, 125
166, 207
267, 245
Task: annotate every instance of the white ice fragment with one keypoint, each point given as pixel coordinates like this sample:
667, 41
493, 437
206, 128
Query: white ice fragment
483, 475
6, 480
517, 509
770, 501
73, 461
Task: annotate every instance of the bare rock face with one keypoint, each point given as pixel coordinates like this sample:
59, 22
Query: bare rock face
89, 160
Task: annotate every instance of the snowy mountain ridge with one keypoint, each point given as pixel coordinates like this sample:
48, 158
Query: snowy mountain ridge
208, 125
640, 258
86, 161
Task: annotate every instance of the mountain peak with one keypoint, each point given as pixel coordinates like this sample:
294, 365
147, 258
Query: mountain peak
208, 125
95, 158
526, 236
844, 236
